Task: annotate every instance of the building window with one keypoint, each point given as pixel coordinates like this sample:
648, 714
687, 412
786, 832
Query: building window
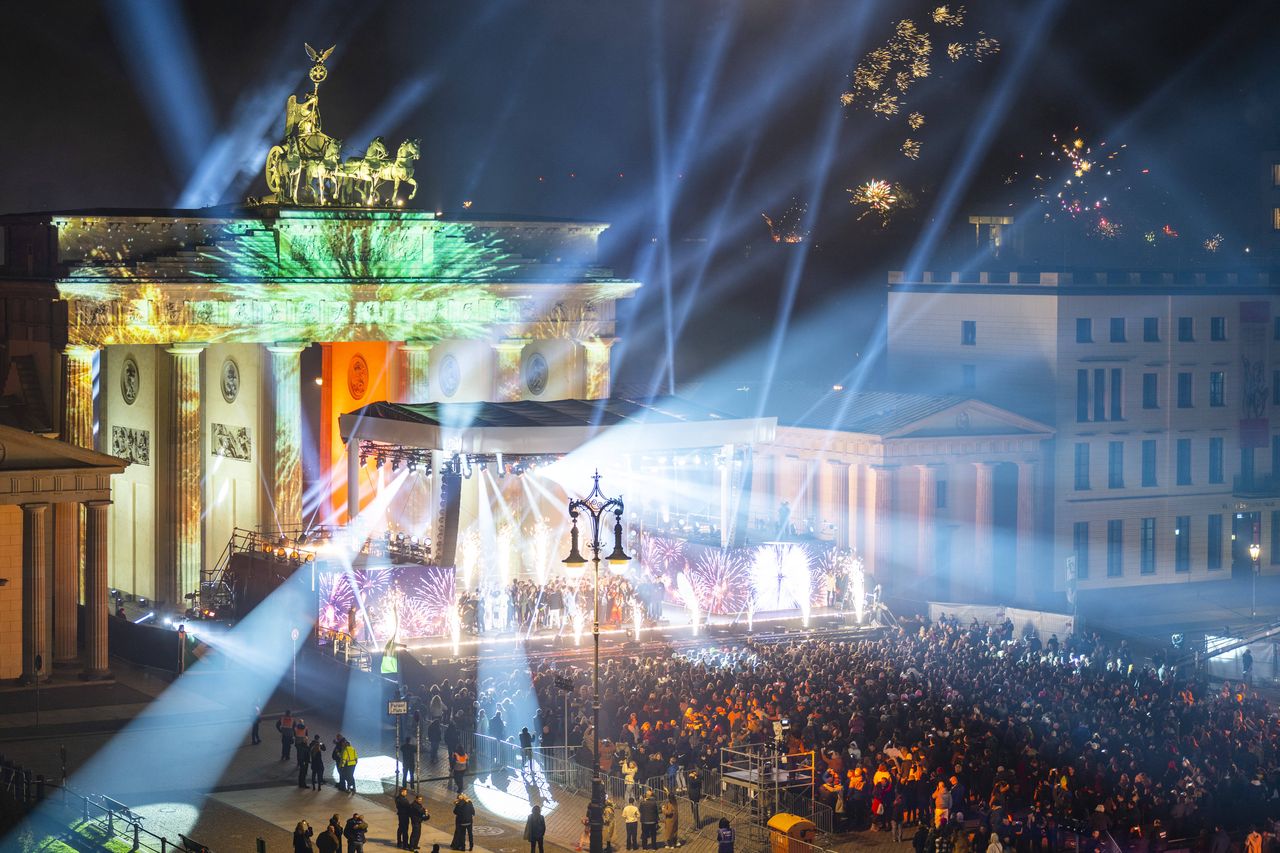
1275, 387
1275, 457
1117, 330
1082, 394
1080, 543
1151, 330
1150, 390
1117, 394
1099, 394
1217, 328
1275, 537
968, 333
1184, 390
940, 494
1149, 462
968, 377
1082, 466
1275, 218
1186, 329
1115, 548
1182, 544
1275, 329
1184, 462
1084, 330
1215, 460
1275, 174
1214, 557
1218, 388
1115, 465
1148, 560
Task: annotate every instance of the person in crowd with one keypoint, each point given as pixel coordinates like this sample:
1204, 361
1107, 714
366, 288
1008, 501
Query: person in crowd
302, 755
316, 752
403, 803
464, 814
649, 822
329, 841
526, 745
284, 726
346, 758
355, 832
535, 829
254, 737
459, 761
607, 825
336, 825
694, 792
302, 838
670, 822
631, 823
434, 732
417, 814
724, 837
409, 759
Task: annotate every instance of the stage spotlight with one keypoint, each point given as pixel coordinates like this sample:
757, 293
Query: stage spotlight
378, 460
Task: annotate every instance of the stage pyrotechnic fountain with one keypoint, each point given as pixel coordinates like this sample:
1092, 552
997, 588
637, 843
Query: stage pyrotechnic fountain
690, 598
857, 588
781, 578
469, 551
503, 546
541, 542
637, 619
455, 627
721, 580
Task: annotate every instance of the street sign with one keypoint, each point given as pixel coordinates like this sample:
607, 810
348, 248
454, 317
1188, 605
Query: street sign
563, 682
396, 708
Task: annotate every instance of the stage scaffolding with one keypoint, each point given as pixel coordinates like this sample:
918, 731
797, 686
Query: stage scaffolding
763, 779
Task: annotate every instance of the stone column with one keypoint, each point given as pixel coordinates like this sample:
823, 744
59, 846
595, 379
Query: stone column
983, 530
95, 590
596, 381
1024, 578
77, 426
417, 356
838, 475
507, 383
185, 464
926, 499
35, 592
286, 455
855, 508
354, 468
66, 583
728, 511
879, 533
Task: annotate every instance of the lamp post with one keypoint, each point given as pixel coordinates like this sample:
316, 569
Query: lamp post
595, 506
1255, 551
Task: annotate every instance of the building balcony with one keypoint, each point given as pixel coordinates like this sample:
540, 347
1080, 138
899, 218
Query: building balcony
1256, 486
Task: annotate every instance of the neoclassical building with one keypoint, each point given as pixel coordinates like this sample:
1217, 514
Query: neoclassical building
214, 350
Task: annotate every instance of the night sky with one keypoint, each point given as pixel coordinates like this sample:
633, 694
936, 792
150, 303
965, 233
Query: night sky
681, 122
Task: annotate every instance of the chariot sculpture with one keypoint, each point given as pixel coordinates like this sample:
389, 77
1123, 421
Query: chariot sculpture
307, 168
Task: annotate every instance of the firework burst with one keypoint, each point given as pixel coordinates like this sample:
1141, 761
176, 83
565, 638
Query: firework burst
789, 227
911, 148
903, 60
878, 197
662, 553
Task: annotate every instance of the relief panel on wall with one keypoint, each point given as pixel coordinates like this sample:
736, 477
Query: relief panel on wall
131, 445
231, 441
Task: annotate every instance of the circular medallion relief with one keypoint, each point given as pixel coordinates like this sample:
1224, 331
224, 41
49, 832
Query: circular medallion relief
130, 380
962, 420
535, 374
358, 377
230, 381
450, 376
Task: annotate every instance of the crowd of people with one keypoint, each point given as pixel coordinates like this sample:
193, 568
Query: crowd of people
557, 605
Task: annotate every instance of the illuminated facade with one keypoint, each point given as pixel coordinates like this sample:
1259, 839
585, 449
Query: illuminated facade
1162, 390
215, 349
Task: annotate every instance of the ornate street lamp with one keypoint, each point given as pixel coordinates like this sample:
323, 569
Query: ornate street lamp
1255, 551
596, 506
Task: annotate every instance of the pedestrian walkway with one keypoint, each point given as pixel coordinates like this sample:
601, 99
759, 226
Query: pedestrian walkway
285, 806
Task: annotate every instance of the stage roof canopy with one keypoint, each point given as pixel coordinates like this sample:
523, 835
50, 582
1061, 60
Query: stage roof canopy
555, 426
